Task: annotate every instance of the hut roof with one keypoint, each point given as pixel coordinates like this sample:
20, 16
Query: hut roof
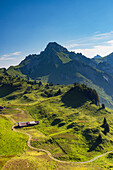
32, 123
23, 124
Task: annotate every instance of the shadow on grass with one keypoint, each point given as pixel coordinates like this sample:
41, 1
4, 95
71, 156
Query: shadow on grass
100, 109
56, 121
95, 144
6, 90
17, 127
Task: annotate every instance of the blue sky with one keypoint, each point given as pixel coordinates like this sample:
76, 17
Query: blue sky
27, 26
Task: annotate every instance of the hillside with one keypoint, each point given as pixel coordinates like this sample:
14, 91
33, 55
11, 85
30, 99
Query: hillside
105, 63
70, 126
9, 84
47, 62
57, 65
108, 59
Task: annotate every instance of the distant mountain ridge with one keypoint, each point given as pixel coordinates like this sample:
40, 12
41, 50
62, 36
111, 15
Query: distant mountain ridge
97, 56
105, 63
56, 64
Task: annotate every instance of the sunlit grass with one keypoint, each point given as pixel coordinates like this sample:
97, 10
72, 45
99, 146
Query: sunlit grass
67, 132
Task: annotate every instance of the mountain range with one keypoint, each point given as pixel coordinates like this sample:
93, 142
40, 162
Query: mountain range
58, 65
97, 56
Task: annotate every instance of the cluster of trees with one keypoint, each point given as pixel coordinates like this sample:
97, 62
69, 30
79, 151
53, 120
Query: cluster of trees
88, 92
98, 141
39, 83
52, 93
11, 81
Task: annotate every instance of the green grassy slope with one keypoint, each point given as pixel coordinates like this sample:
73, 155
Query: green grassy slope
66, 126
11, 142
75, 131
69, 126
15, 71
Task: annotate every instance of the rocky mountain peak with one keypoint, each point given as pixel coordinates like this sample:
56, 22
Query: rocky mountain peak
53, 46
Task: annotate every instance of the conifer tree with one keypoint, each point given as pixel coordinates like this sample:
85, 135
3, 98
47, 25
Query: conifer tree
106, 129
103, 106
104, 121
105, 125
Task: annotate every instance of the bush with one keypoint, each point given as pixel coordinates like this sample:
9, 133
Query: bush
103, 106
58, 92
47, 86
62, 124
56, 121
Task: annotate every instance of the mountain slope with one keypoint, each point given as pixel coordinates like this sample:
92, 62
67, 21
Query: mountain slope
71, 130
108, 59
56, 64
53, 57
105, 63
35, 66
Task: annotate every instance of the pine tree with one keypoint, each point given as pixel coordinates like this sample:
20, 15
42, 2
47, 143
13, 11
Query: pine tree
105, 125
104, 121
103, 106
106, 129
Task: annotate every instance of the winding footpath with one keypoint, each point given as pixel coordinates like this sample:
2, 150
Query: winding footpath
48, 153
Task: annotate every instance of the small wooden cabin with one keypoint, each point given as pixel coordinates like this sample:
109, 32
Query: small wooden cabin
25, 124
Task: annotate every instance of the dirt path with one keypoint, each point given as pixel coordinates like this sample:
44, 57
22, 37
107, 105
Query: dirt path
48, 153
19, 110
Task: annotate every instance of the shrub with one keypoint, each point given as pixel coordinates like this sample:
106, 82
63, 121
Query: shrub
58, 92
56, 121
103, 106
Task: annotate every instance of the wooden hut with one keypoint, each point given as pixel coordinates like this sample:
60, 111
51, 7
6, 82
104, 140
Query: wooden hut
25, 124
